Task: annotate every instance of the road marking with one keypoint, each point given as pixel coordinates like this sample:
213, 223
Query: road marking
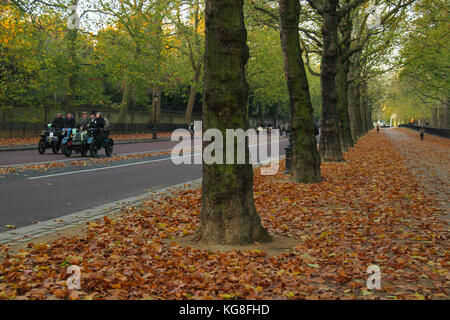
77, 158
128, 164
105, 168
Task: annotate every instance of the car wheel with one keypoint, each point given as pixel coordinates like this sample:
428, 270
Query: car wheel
41, 146
93, 150
56, 147
109, 148
67, 151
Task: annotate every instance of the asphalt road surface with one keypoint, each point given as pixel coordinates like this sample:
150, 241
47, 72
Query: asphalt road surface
30, 196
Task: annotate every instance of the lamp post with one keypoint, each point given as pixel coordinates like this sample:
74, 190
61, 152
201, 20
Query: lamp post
155, 99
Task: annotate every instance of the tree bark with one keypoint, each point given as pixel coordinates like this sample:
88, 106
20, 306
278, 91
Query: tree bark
125, 103
343, 67
363, 107
73, 69
357, 101
192, 95
330, 145
228, 214
156, 105
352, 114
305, 158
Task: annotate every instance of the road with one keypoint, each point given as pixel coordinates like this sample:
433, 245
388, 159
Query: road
30, 196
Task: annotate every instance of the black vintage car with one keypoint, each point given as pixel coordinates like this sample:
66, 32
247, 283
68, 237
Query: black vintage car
50, 138
98, 139
75, 141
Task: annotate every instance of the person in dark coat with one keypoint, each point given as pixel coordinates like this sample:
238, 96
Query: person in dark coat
58, 122
69, 122
99, 122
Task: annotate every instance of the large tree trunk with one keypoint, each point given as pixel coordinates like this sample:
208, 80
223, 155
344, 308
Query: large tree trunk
228, 214
342, 107
343, 67
330, 145
305, 158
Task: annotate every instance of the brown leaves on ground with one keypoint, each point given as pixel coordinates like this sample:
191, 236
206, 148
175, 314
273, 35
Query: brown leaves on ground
368, 210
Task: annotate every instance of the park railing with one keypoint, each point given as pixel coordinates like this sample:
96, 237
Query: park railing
442, 132
16, 129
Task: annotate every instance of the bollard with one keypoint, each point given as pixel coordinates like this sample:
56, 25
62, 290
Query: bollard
154, 134
288, 149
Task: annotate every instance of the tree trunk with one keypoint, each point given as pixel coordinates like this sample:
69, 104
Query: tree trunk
73, 70
363, 108
357, 101
192, 95
125, 103
352, 114
275, 116
228, 214
330, 145
305, 158
445, 123
342, 106
156, 105
343, 67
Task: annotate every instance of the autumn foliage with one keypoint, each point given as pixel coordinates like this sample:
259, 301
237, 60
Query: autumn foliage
367, 210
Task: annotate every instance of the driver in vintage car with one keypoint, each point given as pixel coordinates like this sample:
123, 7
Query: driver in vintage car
58, 122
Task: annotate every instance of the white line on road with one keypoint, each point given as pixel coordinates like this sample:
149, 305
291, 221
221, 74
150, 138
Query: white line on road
105, 168
77, 159
125, 165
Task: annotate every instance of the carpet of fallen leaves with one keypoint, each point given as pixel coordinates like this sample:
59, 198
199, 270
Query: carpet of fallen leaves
368, 210
14, 142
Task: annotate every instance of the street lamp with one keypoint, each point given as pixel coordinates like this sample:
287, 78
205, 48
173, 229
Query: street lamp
155, 99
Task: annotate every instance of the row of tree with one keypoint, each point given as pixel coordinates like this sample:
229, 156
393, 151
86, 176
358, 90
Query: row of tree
332, 59
351, 52
125, 54
421, 90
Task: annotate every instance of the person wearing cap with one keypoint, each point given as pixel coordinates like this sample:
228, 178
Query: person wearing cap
84, 122
58, 122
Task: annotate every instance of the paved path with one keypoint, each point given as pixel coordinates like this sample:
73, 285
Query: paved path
429, 160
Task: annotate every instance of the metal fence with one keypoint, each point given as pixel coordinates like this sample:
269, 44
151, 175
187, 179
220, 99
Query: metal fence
32, 129
442, 132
